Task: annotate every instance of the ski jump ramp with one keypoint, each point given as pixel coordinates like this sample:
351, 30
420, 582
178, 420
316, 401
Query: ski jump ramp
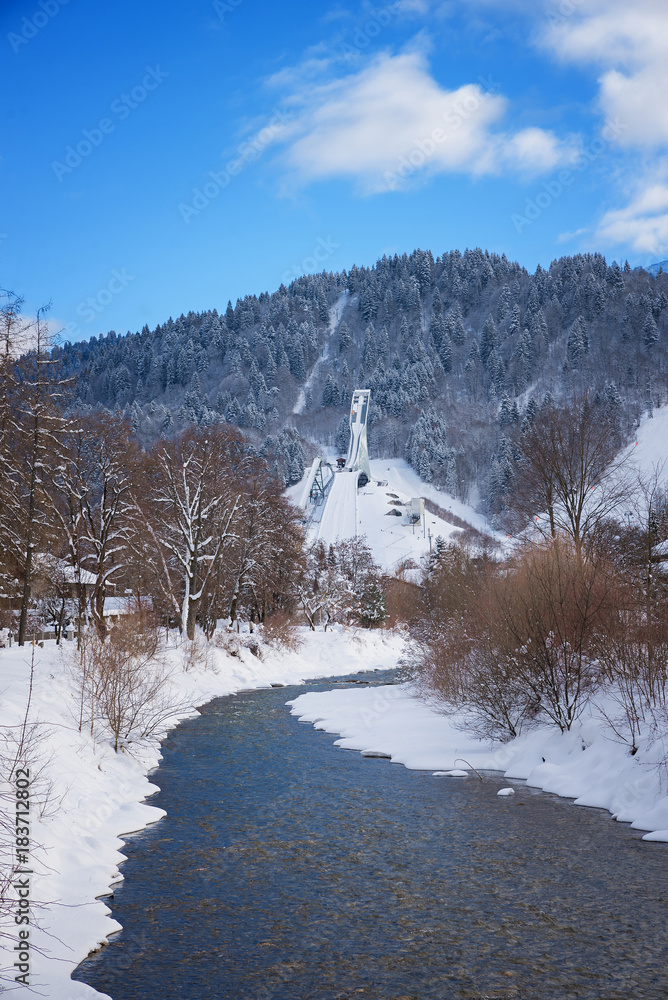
339, 518
358, 453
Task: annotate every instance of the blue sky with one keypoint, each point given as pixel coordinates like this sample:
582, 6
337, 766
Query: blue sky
163, 156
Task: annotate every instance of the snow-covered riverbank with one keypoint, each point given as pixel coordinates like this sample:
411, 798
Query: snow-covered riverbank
586, 764
95, 796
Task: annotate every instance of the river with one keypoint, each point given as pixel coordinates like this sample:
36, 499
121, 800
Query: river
290, 869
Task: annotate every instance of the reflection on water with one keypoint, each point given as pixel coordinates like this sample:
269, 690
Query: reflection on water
290, 869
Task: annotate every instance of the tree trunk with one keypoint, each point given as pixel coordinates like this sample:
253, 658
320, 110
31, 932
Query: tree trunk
27, 569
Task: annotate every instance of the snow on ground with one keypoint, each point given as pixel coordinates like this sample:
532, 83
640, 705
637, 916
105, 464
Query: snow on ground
97, 796
585, 764
400, 474
393, 539
650, 448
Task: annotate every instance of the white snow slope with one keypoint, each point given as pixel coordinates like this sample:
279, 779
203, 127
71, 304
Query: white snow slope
650, 449
96, 795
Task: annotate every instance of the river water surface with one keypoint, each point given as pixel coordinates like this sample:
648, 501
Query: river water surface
288, 868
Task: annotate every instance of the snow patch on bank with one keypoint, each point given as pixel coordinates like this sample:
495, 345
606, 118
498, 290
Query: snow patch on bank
584, 764
97, 796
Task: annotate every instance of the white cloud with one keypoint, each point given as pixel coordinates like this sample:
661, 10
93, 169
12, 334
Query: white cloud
569, 237
391, 123
643, 223
628, 42
533, 150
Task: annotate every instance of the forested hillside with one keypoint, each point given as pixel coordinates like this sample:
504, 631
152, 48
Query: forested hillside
455, 350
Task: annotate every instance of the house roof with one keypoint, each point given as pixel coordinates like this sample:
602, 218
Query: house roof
50, 565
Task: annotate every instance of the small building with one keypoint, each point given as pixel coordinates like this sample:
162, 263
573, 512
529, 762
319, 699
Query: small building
416, 511
116, 607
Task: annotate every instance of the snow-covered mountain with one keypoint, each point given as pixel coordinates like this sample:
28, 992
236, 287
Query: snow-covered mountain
453, 347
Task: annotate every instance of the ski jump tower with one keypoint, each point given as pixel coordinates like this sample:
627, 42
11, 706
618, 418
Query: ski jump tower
358, 453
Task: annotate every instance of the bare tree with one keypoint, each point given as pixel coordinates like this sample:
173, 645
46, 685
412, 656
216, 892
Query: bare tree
33, 437
341, 583
267, 552
321, 597
14, 336
53, 594
633, 647
570, 469
97, 510
191, 509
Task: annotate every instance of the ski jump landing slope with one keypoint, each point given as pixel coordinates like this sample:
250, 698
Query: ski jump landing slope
339, 518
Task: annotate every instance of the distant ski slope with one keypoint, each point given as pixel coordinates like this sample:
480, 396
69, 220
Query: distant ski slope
339, 518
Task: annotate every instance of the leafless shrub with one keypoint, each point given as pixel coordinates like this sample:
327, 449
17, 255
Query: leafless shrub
197, 653
633, 648
513, 641
403, 600
251, 643
459, 652
636, 665
228, 641
551, 605
123, 682
279, 632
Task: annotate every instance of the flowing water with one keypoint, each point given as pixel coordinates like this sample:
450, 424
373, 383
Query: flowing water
290, 869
